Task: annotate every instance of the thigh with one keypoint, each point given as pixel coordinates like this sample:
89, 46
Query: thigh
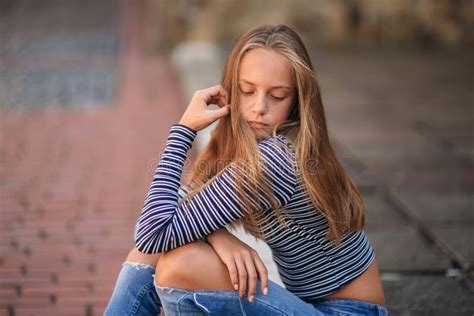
349, 307
279, 301
134, 292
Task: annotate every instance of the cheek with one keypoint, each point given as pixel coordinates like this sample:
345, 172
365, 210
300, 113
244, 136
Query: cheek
244, 109
284, 111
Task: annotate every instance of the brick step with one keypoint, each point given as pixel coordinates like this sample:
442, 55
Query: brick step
65, 254
65, 259
72, 302
76, 220
67, 280
31, 295
75, 243
76, 204
45, 232
55, 273
80, 310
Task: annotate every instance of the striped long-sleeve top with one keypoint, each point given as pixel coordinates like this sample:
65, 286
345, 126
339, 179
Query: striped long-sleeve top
310, 266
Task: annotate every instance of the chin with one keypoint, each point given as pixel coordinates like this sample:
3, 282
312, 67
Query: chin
261, 133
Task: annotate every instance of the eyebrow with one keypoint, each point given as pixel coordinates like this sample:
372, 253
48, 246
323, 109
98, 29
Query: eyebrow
275, 87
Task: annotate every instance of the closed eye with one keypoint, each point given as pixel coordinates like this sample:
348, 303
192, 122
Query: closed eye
278, 98
274, 97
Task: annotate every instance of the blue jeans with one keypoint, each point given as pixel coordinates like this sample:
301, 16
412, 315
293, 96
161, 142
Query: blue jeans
136, 293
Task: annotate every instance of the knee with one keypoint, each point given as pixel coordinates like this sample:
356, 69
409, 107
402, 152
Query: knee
184, 261
179, 260
188, 267
136, 256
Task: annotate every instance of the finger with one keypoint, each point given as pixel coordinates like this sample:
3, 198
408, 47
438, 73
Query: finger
219, 100
221, 97
218, 90
251, 275
217, 114
262, 272
242, 275
234, 276
217, 95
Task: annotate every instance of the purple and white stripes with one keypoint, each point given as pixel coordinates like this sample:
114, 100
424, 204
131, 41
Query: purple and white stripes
309, 265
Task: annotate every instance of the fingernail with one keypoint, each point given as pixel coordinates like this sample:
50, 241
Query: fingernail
236, 286
265, 291
251, 299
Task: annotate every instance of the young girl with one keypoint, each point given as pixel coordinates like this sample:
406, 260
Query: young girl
270, 168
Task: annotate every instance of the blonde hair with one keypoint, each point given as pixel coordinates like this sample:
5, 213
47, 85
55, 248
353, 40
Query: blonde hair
330, 189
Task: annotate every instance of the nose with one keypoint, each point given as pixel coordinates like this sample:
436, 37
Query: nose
260, 106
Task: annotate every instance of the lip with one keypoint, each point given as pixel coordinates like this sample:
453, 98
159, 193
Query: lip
257, 124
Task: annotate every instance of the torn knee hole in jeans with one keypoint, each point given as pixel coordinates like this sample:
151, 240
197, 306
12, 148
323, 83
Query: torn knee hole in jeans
138, 265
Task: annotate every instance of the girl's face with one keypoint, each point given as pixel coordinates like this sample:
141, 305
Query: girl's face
266, 89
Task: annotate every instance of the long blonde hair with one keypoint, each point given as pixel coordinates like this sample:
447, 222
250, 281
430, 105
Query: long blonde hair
330, 189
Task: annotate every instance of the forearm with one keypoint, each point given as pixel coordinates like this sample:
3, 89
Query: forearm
216, 234
164, 223
152, 232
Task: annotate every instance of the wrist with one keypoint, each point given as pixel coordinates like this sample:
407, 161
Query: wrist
189, 126
209, 238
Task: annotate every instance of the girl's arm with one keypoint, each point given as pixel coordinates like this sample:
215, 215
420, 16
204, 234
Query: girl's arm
162, 225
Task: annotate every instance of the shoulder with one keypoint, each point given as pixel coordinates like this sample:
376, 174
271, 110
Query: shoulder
277, 145
278, 152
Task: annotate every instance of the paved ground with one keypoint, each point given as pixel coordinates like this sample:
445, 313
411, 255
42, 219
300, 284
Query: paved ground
72, 183
58, 53
403, 123
73, 180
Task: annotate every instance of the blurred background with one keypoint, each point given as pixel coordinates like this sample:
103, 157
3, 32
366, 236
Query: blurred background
89, 90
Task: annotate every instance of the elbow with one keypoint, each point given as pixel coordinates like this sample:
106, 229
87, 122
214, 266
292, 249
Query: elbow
152, 246
144, 248
147, 246
143, 244
152, 240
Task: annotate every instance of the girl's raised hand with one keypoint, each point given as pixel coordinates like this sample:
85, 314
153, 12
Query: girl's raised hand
197, 116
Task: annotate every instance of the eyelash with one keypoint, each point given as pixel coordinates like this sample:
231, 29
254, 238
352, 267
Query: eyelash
276, 98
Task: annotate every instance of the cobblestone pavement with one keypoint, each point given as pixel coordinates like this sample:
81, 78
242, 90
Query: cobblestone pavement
72, 183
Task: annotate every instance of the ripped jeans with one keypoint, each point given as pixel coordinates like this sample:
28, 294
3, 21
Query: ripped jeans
136, 293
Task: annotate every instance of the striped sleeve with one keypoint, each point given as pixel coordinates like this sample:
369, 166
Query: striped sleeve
182, 192
163, 225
